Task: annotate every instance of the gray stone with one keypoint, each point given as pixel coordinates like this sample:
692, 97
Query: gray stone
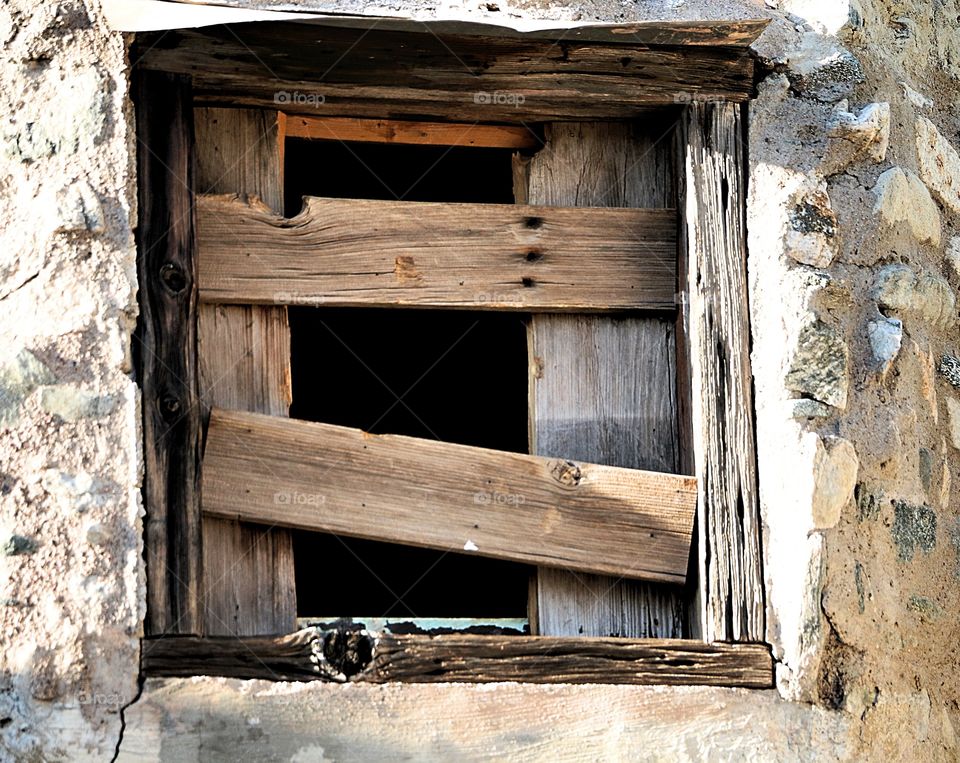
72, 403
868, 504
819, 365
822, 69
98, 534
939, 164
923, 605
804, 408
885, 335
857, 137
914, 528
902, 198
15, 545
925, 467
927, 296
18, 378
950, 369
952, 257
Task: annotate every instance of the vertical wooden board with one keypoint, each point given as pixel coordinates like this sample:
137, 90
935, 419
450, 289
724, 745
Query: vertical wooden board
604, 387
165, 347
732, 598
249, 585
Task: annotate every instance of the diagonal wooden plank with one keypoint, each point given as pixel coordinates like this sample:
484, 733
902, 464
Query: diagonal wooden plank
350, 252
512, 506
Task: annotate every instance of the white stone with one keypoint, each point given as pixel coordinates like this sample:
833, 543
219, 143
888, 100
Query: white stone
927, 296
79, 209
953, 421
72, 403
835, 476
903, 198
811, 236
939, 164
857, 137
917, 99
885, 336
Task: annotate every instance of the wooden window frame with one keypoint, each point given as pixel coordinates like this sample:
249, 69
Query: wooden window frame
713, 368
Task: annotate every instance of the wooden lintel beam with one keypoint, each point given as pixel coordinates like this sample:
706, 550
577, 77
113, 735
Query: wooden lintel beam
451, 497
355, 252
361, 656
408, 132
377, 73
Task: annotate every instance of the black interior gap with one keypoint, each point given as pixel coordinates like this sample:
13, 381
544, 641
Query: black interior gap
461, 377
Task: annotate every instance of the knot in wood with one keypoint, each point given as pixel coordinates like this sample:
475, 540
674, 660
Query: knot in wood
170, 407
566, 473
173, 278
348, 652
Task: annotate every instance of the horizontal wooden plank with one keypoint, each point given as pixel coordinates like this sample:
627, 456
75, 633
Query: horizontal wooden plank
457, 498
352, 252
325, 71
361, 656
407, 132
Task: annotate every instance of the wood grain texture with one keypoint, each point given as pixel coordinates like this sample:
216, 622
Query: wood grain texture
722, 393
314, 70
165, 347
353, 252
451, 497
248, 571
604, 388
406, 132
340, 656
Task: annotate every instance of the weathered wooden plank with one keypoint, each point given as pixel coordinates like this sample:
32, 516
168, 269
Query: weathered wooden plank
603, 388
350, 252
357, 656
385, 74
452, 497
248, 571
406, 132
165, 346
722, 393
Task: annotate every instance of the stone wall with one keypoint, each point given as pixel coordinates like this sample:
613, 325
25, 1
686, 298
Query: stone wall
854, 267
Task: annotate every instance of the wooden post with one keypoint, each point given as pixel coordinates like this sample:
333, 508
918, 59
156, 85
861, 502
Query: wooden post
249, 584
603, 388
165, 348
718, 330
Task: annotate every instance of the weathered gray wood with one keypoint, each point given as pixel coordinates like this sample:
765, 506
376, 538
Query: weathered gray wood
722, 394
604, 388
441, 495
351, 252
360, 656
248, 572
376, 73
410, 132
165, 347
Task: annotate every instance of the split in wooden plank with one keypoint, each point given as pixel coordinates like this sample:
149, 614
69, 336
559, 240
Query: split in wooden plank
165, 348
361, 656
452, 497
377, 73
353, 252
407, 132
722, 394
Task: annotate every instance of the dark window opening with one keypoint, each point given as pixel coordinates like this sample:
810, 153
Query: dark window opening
462, 378
395, 173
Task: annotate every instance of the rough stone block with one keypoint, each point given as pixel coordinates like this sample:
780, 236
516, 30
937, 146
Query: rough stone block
857, 137
939, 164
903, 198
811, 237
18, 378
928, 296
953, 421
821, 69
835, 476
914, 528
819, 364
885, 335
